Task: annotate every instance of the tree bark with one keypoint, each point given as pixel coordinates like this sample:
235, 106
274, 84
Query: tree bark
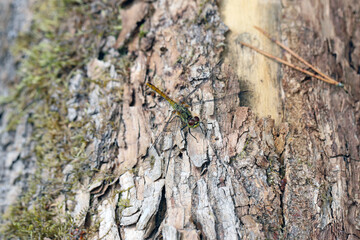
279, 153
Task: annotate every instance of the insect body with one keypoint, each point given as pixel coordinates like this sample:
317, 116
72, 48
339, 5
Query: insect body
181, 110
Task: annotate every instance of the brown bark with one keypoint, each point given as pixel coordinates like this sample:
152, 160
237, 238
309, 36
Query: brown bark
291, 179
293, 174
325, 124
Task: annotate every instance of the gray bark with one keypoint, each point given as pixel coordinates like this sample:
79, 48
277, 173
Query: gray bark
293, 174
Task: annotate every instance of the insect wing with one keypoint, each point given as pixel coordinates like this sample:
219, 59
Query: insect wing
173, 124
240, 99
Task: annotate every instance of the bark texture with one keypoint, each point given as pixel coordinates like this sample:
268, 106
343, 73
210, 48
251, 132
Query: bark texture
322, 154
290, 176
15, 18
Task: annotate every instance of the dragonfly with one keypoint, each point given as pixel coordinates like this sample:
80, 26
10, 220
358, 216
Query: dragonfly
182, 112
181, 109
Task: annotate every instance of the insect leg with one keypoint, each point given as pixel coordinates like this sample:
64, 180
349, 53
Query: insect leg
168, 162
202, 130
158, 137
181, 131
174, 118
192, 135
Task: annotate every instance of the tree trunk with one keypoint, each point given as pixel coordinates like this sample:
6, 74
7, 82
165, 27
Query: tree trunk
276, 155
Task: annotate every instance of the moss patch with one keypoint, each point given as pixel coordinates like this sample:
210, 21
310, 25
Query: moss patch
64, 36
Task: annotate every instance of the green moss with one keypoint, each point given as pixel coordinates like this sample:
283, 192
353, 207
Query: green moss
38, 221
152, 161
142, 32
64, 36
240, 156
124, 199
